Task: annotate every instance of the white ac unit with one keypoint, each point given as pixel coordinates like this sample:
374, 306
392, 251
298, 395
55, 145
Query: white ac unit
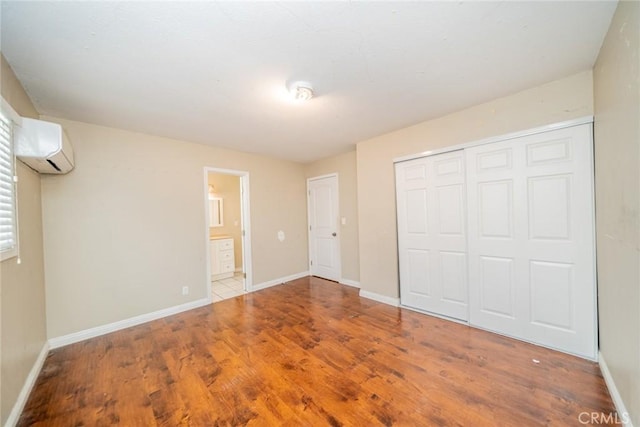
44, 146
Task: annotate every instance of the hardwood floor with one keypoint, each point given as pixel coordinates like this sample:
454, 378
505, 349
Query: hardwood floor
311, 352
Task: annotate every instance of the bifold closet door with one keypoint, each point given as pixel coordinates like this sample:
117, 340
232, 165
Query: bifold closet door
530, 245
430, 195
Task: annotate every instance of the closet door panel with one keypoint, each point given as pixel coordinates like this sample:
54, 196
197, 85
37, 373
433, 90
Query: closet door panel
448, 213
552, 281
559, 173
531, 208
416, 212
431, 203
450, 209
414, 239
453, 269
492, 195
495, 209
418, 270
496, 290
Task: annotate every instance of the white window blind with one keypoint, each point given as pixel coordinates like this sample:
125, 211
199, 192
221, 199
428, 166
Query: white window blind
8, 241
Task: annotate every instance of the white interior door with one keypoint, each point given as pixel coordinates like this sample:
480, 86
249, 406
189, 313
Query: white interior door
431, 234
324, 242
531, 248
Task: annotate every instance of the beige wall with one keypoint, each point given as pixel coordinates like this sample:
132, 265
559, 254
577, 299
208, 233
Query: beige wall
345, 166
126, 229
227, 187
617, 157
564, 99
22, 295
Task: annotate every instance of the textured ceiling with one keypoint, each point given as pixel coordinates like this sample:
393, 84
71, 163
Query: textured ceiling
216, 72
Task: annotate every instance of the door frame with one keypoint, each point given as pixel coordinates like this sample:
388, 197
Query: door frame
339, 237
498, 138
245, 224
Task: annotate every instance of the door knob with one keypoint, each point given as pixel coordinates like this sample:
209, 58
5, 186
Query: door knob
334, 234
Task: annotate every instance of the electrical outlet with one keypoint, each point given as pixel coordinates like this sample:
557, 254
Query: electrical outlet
185, 290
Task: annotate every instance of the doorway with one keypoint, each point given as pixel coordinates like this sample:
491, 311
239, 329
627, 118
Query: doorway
324, 240
228, 233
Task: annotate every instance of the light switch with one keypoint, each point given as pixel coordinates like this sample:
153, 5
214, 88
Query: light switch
343, 220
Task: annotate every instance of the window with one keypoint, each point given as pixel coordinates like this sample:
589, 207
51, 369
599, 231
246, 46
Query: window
8, 240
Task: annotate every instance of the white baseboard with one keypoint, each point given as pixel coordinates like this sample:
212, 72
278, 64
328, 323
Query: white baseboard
29, 382
349, 282
380, 298
279, 281
623, 414
126, 323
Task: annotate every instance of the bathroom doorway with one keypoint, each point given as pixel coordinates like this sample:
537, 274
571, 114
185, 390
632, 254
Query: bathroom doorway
228, 233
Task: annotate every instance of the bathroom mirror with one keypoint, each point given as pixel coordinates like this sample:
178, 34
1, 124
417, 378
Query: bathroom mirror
215, 212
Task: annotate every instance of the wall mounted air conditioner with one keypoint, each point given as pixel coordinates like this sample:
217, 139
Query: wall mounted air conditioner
43, 146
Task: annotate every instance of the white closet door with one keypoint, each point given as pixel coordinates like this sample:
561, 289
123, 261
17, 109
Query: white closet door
531, 248
431, 234
324, 243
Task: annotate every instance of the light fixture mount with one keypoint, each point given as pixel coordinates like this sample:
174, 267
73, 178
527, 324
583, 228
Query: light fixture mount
301, 91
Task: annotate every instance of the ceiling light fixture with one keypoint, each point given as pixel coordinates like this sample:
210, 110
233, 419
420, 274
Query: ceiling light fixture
301, 91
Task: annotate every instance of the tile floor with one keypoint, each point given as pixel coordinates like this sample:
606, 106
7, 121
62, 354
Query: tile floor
227, 288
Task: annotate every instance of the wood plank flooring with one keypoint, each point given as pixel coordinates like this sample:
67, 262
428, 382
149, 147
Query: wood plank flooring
311, 353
